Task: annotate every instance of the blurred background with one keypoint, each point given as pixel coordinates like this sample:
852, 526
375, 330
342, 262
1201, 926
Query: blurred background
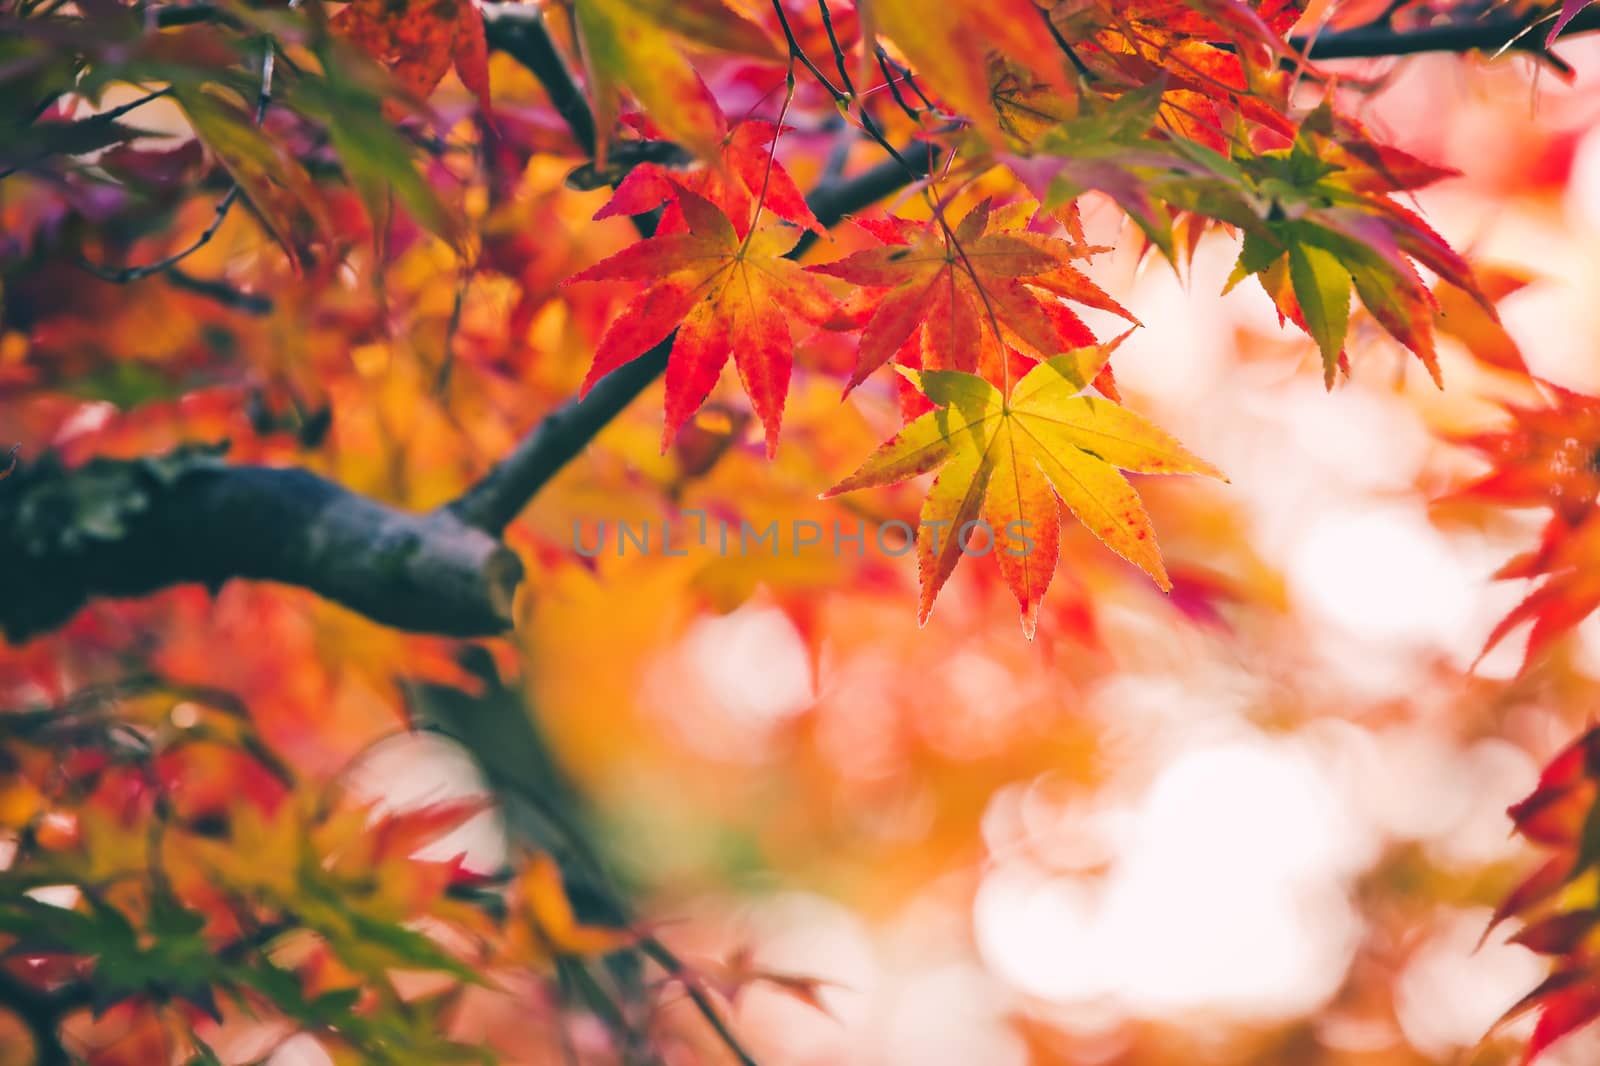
1259, 821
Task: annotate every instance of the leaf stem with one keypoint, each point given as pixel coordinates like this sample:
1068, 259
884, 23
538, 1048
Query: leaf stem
772, 156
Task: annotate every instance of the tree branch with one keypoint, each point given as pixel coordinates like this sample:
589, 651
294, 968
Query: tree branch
249, 303
1380, 40
116, 528
502, 493
557, 438
127, 528
518, 31
495, 500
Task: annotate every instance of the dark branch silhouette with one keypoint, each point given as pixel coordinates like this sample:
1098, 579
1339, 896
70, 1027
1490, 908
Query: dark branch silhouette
130, 527
1381, 40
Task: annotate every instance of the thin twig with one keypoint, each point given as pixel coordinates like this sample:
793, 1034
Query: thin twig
890, 79
708, 1010
843, 99
115, 113
447, 361
124, 275
838, 52
103, 117
911, 82
796, 52
1067, 50
251, 303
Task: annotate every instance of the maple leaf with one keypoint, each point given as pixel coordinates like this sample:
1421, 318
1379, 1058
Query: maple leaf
1482, 334
961, 289
1554, 813
1004, 460
950, 44
265, 852
747, 174
1561, 899
402, 833
1569, 593
1548, 457
633, 43
543, 923
278, 186
713, 288
1199, 56
419, 41
1324, 225
378, 854
1569, 11
1566, 1001
1119, 148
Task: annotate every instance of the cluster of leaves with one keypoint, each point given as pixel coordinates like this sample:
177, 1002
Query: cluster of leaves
1548, 457
211, 883
225, 76
1181, 115
209, 878
1559, 903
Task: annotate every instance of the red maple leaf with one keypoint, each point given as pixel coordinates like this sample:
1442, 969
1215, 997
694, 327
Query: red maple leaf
710, 287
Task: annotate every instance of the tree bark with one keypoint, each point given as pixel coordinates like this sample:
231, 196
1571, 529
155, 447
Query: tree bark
128, 528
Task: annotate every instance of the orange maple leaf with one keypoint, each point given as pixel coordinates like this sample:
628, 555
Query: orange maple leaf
419, 41
542, 922
959, 289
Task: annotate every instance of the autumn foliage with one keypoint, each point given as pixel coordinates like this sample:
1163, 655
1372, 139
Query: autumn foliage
322, 328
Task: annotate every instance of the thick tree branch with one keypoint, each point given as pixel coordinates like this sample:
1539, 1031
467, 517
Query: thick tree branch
127, 528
